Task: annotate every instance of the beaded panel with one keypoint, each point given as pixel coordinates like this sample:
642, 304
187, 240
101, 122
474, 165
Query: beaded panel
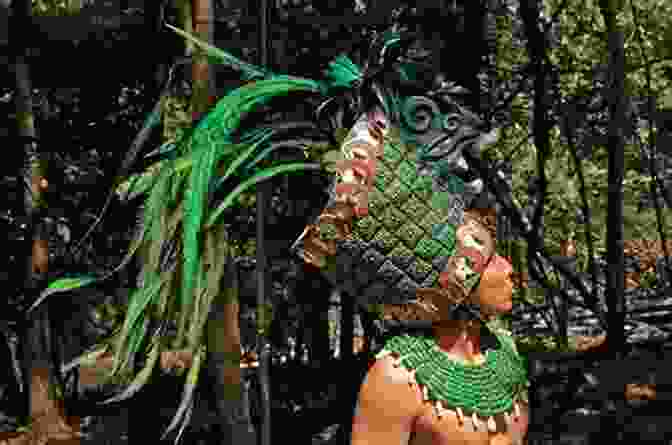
407, 237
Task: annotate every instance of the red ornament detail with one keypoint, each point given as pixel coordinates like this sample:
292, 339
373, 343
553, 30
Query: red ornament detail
443, 279
477, 259
361, 212
364, 169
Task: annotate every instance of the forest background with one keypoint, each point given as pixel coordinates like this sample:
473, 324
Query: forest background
75, 104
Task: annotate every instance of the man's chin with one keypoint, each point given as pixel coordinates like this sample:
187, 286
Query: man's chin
503, 307
508, 306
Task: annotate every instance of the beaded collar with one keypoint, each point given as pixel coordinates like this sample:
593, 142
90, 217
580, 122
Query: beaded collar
486, 390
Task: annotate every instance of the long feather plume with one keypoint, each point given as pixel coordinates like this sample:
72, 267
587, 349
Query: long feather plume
179, 217
216, 55
214, 131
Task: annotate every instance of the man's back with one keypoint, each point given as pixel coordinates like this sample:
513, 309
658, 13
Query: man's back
391, 410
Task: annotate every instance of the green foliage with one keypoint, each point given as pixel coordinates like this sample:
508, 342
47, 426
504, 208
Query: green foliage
264, 318
648, 279
580, 53
55, 8
176, 118
579, 58
537, 343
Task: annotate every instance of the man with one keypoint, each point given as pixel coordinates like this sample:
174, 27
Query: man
396, 229
412, 394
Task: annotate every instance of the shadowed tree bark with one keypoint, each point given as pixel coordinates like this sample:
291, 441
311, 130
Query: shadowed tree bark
223, 327
202, 76
616, 146
42, 409
541, 124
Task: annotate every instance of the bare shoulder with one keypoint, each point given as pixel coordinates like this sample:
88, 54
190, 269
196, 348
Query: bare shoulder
387, 407
388, 386
384, 368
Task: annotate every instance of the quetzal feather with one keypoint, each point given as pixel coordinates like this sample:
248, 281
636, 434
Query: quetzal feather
343, 72
216, 55
214, 132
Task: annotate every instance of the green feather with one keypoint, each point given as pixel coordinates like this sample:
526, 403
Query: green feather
259, 177
250, 167
64, 285
343, 72
133, 326
217, 55
188, 392
142, 378
139, 184
390, 39
215, 130
409, 72
165, 151
233, 166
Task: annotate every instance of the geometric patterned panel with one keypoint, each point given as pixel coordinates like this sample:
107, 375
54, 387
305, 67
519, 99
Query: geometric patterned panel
404, 242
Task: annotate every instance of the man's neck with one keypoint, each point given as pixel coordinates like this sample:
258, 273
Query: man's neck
460, 341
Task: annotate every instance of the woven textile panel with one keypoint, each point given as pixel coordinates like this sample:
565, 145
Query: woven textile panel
404, 242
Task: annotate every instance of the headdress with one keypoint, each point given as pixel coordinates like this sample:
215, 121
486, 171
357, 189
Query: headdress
394, 231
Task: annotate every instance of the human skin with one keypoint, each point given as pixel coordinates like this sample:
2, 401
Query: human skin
390, 411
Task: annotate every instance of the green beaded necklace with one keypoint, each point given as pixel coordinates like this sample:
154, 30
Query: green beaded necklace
487, 390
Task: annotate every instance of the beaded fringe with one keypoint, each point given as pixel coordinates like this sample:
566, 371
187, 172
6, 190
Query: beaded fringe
440, 407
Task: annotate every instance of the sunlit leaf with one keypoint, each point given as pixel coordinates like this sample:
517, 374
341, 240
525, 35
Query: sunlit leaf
63, 285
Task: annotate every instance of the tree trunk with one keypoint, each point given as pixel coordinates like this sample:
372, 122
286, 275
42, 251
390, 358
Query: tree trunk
223, 327
351, 380
541, 125
616, 146
41, 408
317, 309
202, 75
223, 362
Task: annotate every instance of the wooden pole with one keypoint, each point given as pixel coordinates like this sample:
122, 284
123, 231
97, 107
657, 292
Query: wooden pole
264, 191
617, 119
616, 146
